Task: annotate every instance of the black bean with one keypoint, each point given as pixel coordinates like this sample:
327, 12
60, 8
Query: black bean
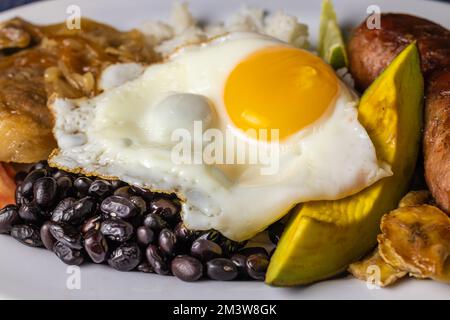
57, 213
221, 269
46, 236
27, 234
100, 189
117, 230
167, 209
157, 260
275, 231
20, 198
124, 191
92, 223
96, 246
140, 203
240, 262
82, 185
167, 242
79, 211
31, 178
155, 222
39, 165
31, 213
187, 268
210, 235
256, 266
59, 174
68, 255
66, 234
142, 192
229, 246
65, 187
20, 176
183, 234
44, 191
145, 236
145, 267
126, 257
205, 250
9, 217
116, 206
116, 184
253, 250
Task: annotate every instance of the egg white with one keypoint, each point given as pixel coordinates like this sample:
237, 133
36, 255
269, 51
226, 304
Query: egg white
121, 133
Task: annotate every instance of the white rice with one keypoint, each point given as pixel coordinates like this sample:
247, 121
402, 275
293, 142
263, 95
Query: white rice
184, 28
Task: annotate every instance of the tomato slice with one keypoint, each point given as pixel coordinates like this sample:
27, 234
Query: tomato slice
7, 185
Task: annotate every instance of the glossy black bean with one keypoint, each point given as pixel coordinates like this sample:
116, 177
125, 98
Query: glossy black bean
145, 267
145, 236
100, 189
253, 250
20, 198
117, 230
82, 185
92, 223
68, 255
126, 257
46, 236
167, 209
221, 269
20, 176
27, 234
63, 205
187, 268
205, 250
157, 260
140, 203
124, 191
142, 192
9, 217
65, 187
184, 235
96, 246
275, 231
240, 262
167, 242
39, 165
119, 207
44, 191
31, 178
229, 246
116, 184
155, 222
210, 235
59, 174
66, 234
256, 266
80, 211
31, 213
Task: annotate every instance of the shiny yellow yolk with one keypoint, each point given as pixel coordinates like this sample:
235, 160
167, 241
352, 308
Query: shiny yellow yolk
279, 88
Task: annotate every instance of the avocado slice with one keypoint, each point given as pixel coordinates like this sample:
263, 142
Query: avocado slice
323, 237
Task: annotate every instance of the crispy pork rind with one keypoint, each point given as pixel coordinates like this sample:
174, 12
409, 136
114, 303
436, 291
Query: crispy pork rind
373, 267
417, 240
415, 198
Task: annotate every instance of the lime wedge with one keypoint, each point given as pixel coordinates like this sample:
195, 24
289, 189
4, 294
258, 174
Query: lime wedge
331, 43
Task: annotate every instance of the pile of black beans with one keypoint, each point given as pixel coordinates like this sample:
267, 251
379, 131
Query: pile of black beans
84, 219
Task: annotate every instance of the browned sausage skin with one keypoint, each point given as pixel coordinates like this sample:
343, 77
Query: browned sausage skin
436, 141
370, 51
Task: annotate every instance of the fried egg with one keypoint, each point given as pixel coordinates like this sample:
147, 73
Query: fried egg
239, 87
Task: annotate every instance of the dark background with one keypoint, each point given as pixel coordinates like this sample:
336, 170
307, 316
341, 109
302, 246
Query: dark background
7, 4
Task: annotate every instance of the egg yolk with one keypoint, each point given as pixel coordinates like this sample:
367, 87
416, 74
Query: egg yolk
279, 88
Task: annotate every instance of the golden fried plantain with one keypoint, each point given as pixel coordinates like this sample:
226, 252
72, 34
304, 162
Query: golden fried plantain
374, 267
415, 198
417, 240
39, 61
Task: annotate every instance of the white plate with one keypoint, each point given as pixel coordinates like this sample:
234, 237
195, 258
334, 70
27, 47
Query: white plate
36, 274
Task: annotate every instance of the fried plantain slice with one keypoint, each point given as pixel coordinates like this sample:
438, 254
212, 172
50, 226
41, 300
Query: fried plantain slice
367, 268
415, 198
417, 240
